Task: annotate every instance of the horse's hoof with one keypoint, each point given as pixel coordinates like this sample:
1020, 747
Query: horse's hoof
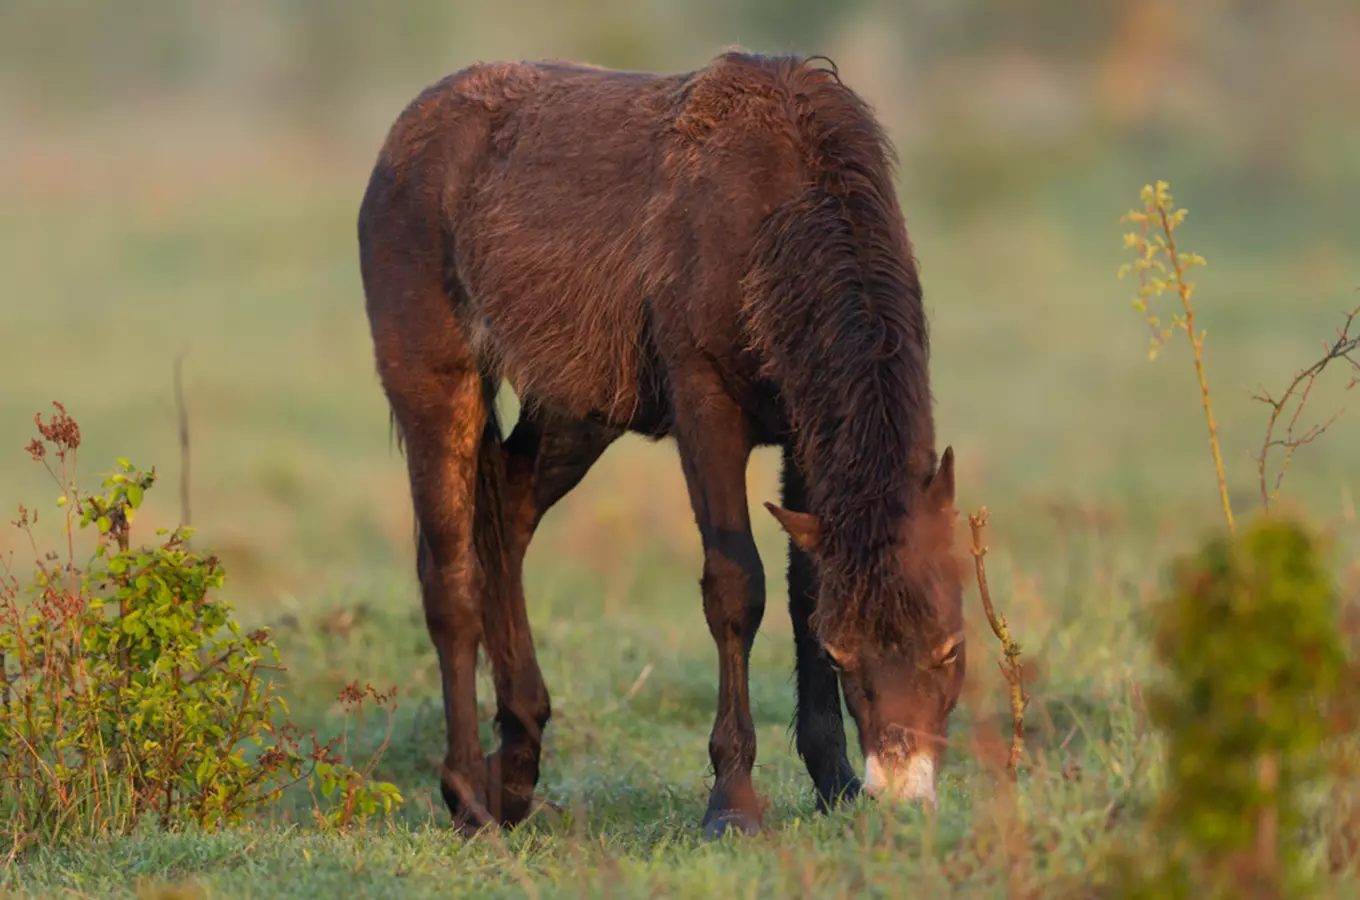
730, 821
467, 829
843, 794
541, 807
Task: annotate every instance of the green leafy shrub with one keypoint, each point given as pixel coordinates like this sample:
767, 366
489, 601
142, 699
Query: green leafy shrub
1249, 636
127, 688
351, 792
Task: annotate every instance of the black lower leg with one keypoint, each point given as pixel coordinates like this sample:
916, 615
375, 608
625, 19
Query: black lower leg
522, 713
818, 725
522, 704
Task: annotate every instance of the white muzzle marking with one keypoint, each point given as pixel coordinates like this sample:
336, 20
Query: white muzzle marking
911, 781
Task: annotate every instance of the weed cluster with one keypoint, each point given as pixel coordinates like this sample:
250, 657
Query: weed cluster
128, 690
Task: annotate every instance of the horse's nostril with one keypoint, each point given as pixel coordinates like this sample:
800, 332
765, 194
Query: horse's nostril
905, 778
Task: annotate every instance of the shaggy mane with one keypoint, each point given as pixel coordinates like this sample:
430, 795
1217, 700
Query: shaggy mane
833, 302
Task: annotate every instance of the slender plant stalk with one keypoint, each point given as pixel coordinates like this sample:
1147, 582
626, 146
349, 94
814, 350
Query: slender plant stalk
1183, 290
1012, 669
182, 415
1157, 210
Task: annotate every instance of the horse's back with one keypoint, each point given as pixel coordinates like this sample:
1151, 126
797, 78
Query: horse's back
581, 210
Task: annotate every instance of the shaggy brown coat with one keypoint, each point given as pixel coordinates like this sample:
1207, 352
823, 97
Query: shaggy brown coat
716, 256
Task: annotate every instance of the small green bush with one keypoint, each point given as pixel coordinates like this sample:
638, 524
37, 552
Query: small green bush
1249, 636
352, 794
128, 690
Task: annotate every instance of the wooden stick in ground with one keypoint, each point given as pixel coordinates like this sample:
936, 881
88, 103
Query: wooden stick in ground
182, 413
1011, 669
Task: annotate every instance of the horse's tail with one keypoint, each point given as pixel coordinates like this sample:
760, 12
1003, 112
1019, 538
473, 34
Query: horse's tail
489, 525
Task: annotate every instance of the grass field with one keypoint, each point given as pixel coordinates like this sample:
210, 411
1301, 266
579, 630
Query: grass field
1091, 459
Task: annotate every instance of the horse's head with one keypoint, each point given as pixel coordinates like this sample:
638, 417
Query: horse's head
901, 682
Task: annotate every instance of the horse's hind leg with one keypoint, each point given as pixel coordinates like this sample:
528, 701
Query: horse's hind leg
542, 461
438, 399
442, 439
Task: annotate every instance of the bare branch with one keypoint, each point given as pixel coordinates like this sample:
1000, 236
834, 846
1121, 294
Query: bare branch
1345, 348
1011, 669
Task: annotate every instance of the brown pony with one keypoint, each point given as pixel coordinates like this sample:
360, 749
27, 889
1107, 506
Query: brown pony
718, 257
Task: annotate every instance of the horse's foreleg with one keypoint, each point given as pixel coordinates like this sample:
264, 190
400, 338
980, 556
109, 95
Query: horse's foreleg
714, 449
818, 726
541, 464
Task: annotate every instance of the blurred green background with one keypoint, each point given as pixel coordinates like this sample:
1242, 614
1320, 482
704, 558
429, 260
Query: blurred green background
182, 177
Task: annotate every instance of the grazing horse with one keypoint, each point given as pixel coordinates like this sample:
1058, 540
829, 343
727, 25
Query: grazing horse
718, 257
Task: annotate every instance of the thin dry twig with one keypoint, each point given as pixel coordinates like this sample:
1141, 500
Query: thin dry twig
1298, 391
1012, 669
632, 691
182, 415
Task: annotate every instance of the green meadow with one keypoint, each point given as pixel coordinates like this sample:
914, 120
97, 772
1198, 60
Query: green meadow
126, 244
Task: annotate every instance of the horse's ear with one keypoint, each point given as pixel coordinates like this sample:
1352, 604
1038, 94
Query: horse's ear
804, 528
940, 491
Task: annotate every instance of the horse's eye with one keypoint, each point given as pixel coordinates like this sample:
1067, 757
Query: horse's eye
951, 654
837, 658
